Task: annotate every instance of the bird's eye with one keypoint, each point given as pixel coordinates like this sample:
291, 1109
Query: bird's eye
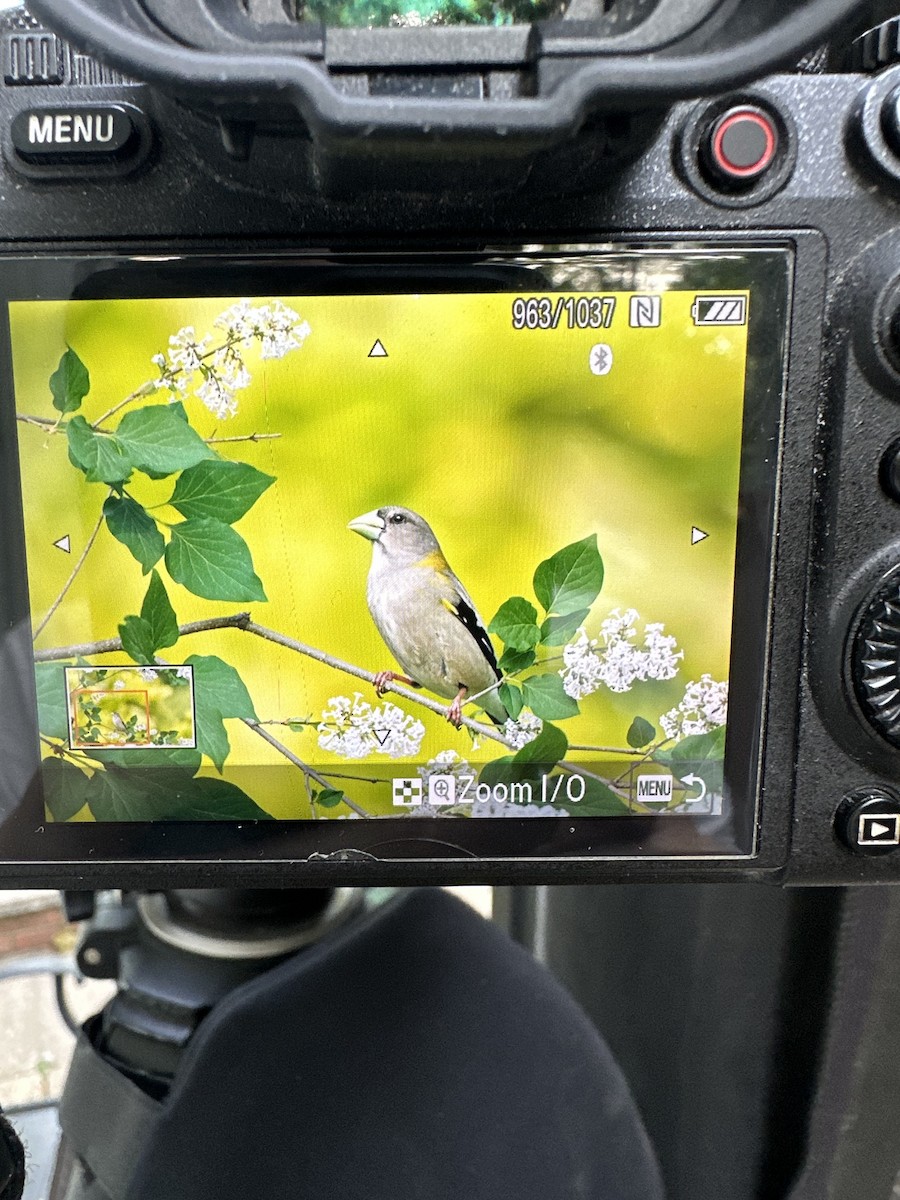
398, 518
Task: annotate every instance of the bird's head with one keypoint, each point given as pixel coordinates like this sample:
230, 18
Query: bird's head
399, 533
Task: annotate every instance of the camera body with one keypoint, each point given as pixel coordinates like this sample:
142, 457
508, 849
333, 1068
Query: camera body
800, 169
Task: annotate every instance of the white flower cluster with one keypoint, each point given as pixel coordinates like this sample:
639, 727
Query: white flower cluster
520, 733
354, 729
703, 707
151, 674
446, 762
499, 808
223, 373
615, 659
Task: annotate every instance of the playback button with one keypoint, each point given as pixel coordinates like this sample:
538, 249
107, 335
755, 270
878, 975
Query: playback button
868, 821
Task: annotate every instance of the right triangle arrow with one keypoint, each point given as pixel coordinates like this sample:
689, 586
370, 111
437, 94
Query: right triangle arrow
378, 350
698, 535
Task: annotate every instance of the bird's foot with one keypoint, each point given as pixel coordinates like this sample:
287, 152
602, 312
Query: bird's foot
383, 678
454, 712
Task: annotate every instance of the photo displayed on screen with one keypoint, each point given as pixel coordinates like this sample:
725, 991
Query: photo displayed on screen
442, 555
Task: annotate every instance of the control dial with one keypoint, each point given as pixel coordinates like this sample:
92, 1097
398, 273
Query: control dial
876, 660
876, 48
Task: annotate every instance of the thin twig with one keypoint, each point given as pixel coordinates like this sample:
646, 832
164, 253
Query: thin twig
645, 755
41, 422
59, 599
146, 389
307, 770
576, 769
607, 750
243, 437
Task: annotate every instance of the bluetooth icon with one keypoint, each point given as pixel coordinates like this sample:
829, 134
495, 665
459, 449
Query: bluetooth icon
600, 359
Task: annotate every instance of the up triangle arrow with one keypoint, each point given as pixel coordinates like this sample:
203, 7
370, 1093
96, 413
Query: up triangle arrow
378, 350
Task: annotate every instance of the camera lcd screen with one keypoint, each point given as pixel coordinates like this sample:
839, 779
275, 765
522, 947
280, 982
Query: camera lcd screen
424, 547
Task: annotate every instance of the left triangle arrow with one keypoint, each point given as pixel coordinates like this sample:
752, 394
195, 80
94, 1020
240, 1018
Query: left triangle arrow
64, 544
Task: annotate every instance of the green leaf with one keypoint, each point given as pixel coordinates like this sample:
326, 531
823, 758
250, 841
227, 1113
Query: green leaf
516, 624
499, 770
548, 748
173, 756
53, 708
132, 525
167, 794
556, 631
330, 798
219, 692
69, 383
570, 579
547, 699
157, 439
222, 686
137, 640
218, 800
225, 490
159, 614
513, 661
65, 789
128, 794
99, 455
178, 408
641, 733
510, 698
212, 561
599, 800
701, 754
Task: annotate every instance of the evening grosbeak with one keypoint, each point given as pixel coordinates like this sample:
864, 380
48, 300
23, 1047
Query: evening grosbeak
425, 615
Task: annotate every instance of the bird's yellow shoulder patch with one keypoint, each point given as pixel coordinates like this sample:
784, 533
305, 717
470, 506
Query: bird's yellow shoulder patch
450, 606
433, 561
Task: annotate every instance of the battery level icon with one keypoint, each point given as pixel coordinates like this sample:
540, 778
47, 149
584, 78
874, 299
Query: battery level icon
719, 310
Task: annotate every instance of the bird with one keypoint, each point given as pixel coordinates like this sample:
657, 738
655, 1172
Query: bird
425, 615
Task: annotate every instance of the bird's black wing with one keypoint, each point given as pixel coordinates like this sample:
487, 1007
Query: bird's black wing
463, 611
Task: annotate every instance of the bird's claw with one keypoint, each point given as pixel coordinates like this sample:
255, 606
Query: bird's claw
382, 679
454, 714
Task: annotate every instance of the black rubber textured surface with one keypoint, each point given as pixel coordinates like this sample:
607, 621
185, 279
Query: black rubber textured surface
422, 1055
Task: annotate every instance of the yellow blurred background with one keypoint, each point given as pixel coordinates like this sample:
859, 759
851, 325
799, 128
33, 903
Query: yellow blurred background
502, 439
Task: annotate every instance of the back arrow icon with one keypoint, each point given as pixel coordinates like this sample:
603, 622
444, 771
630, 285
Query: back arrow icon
694, 781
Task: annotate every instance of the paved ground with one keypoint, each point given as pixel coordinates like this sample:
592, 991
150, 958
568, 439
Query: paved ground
35, 1046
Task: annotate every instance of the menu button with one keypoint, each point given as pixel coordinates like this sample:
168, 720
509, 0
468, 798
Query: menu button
75, 134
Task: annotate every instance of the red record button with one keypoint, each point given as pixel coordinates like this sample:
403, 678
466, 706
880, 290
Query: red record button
741, 145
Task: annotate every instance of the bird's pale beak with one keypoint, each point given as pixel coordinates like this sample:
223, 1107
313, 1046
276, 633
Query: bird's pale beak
369, 525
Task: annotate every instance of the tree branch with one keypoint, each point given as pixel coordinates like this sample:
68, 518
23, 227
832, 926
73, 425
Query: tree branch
59, 599
113, 645
40, 422
242, 621
308, 771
